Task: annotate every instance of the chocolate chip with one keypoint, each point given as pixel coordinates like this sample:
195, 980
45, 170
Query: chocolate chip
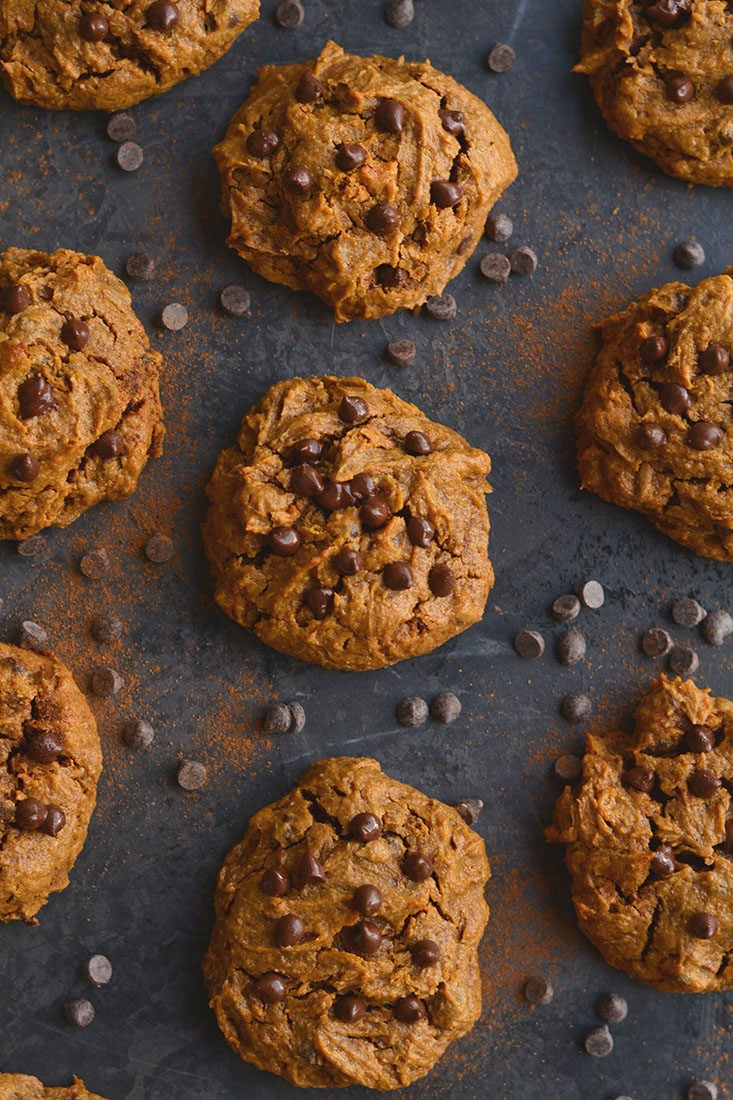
95, 564
591, 595
576, 707
417, 866
275, 882
409, 1010
109, 445
452, 122
93, 26
570, 648
639, 778
306, 451
714, 360
14, 299
75, 333
704, 436
598, 1042
174, 317
445, 194
297, 718
32, 636
399, 13
364, 938
416, 443
43, 746
35, 397
349, 1009
163, 15
611, 1008
383, 219
298, 180
320, 601
289, 14
724, 90
98, 970
234, 300
284, 541
306, 481
538, 991
365, 827
495, 267
30, 814
651, 436
401, 352
159, 548
55, 820
687, 612
348, 157
25, 468
654, 348
420, 531
656, 642
412, 712
445, 707
262, 143
499, 228
568, 767
703, 1090
716, 627
138, 734
699, 738
121, 127
348, 562
565, 608
191, 775
529, 644
688, 254
470, 809
270, 988
683, 660
309, 871
106, 682
390, 116
374, 513
501, 58
362, 486
335, 495
289, 930
675, 399
79, 1012
32, 546
309, 88
668, 13
679, 89
441, 307
442, 580
106, 629
367, 899
703, 783
702, 926
425, 953
140, 266
663, 863
397, 576
523, 261
129, 156
352, 409
391, 277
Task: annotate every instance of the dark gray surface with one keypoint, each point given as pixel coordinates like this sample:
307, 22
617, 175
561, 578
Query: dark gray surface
506, 372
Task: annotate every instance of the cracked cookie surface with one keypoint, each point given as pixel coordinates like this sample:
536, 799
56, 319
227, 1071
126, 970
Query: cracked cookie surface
662, 74
348, 920
19, 1086
347, 529
649, 841
655, 430
79, 405
73, 54
51, 761
365, 180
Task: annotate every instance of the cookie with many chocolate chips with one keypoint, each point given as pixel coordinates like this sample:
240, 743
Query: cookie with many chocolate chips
19, 1086
81, 55
348, 921
655, 430
346, 528
649, 841
365, 180
50, 760
79, 406
662, 73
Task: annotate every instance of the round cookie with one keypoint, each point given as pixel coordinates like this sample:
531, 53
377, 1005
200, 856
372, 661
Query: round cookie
50, 760
655, 431
19, 1086
106, 56
649, 836
662, 74
346, 528
79, 406
365, 180
348, 920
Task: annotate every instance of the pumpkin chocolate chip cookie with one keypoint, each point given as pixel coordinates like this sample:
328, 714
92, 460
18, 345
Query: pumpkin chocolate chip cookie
348, 921
79, 407
649, 836
365, 180
81, 55
19, 1086
51, 760
662, 73
346, 528
655, 430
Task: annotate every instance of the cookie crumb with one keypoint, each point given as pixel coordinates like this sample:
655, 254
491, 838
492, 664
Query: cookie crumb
191, 775
412, 712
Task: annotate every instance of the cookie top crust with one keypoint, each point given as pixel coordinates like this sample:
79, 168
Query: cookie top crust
655, 429
79, 55
347, 529
662, 73
365, 180
80, 409
19, 1086
649, 841
348, 920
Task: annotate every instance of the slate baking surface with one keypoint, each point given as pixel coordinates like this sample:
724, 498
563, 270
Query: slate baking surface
507, 373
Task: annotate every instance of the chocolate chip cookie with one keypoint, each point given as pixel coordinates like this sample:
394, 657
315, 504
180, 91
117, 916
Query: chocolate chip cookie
662, 73
348, 920
346, 528
18, 1086
649, 835
81, 55
79, 406
51, 760
365, 180
655, 430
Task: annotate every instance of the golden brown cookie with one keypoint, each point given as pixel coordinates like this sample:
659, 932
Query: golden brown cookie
365, 180
18, 1086
649, 835
79, 406
80, 55
348, 920
662, 73
50, 760
655, 430
346, 528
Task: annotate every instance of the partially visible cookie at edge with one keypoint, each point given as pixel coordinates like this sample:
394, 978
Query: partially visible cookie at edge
365, 180
50, 759
20, 1086
348, 921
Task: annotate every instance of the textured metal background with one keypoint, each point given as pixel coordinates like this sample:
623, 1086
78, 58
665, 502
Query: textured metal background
507, 372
